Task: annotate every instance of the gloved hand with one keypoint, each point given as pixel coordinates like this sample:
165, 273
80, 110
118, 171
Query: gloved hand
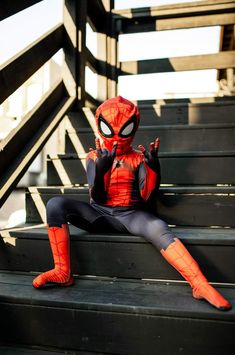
151, 157
105, 158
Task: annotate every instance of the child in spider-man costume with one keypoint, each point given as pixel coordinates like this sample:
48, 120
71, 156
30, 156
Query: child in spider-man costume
122, 182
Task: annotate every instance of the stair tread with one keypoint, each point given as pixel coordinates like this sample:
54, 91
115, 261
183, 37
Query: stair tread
13, 350
190, 235
115, 295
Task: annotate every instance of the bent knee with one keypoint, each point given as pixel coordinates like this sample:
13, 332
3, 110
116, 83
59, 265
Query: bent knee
160, 227
160, 234
55, 203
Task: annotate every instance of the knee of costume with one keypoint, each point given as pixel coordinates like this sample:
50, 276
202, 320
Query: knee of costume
159, 234
56, 211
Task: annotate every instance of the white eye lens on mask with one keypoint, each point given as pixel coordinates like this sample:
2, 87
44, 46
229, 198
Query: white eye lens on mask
127, 130
105, 129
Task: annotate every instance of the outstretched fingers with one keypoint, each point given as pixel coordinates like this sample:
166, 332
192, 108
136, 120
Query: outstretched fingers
114, 149
142, 148
157, 143
98, 147
154, 146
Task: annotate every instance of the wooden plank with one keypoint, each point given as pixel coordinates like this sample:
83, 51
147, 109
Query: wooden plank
178, 138
125, 256
18, 69
122, 308
190, 169
181, 209
162, 24
11, 7
70, 47
16, 350
20, 148
183, 138
221, 60
167, 113
81, 19
195, 21
176, 10
188, 113
196, 210
97, 14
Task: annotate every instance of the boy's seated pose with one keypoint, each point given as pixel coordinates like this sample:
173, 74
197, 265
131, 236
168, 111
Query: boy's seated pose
123, 184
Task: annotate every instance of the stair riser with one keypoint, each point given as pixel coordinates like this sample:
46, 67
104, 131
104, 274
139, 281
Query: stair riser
175, 170
188, 114
116, 259
172, 139
172, 114
115, 333
175, 209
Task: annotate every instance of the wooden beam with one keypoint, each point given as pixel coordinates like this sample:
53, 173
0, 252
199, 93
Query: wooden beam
220, 60
11, 7
152, 24
81, 10
97, 14
21, 146
195, 21
70, 47
177, 10
102, 92
91, 102
18, 69
92, 60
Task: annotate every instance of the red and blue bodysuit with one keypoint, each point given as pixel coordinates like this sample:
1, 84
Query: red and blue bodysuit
123, 183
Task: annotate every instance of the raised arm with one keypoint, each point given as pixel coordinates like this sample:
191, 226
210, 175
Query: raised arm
150, 173
99, 164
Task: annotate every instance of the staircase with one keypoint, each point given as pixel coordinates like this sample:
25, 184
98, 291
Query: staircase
127, 299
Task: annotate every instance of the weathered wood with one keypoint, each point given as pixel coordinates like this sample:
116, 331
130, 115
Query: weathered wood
125, 256
176, 10
24, 143
81, 18
165, 113
196, 21
70, 47
221, 60
186, 208
209, 168
188, 113
92, 61
11, 7
161, 24
174, 138
184, 138
18, 69
147, 312
97, 14
18, 350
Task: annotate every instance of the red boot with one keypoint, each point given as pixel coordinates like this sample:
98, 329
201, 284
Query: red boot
61, 274
178, 256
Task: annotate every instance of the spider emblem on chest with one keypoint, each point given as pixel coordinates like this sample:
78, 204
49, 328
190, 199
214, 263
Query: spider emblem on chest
118, 163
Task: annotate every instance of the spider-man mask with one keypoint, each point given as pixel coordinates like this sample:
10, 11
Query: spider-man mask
117, 120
